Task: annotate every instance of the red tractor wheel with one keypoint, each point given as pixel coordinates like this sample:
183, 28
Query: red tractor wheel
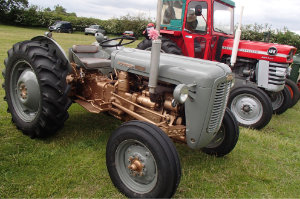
294, 91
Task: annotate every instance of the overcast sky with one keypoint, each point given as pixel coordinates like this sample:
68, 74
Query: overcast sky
278, 13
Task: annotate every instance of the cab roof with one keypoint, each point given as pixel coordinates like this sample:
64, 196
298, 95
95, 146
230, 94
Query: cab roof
229, 2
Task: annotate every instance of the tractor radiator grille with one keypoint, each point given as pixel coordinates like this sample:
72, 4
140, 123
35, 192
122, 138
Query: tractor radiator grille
219, 106
277, 73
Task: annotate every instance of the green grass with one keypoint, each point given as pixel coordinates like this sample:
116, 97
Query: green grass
264, 164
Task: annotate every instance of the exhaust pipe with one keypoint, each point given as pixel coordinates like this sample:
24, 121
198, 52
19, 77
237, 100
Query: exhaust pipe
155, 56
236, 40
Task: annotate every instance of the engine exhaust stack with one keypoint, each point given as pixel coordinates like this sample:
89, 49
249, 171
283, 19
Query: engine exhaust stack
155, 55
236, 40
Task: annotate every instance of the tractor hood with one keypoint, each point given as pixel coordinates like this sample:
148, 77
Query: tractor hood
260, 50
173, 69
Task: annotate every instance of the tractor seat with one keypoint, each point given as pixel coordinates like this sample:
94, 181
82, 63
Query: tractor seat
94, 63
87, 55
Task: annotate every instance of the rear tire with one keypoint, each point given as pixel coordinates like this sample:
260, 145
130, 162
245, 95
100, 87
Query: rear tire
142, 161
281, 100
167, 46
294, 91
226, 138
36, 88
251, 106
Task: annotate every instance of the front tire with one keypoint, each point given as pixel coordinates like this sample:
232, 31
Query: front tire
142, 161
36, 88
281, 100
167, 46
251, 106
294, 91
226, 138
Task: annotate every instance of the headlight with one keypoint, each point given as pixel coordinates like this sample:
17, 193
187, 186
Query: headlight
231, 78
291, 54
181, 93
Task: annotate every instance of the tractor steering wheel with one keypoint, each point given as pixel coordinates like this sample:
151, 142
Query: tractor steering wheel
103, 43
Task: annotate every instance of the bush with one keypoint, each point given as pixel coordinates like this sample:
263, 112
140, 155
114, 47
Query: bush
258, 33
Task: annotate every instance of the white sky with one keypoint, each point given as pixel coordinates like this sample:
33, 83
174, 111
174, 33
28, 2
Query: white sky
277, 13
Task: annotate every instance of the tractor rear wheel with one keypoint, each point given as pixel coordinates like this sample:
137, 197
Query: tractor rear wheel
251, 106
294, 91
226, 138
167, 46
36, 88
281, 100
142, 161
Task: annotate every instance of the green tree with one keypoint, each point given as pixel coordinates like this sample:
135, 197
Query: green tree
9, 9
59, 9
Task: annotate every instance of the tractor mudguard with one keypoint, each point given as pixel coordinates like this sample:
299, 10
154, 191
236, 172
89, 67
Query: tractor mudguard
53, 45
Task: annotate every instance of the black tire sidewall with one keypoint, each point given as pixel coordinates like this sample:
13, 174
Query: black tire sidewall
295, 90
231, 136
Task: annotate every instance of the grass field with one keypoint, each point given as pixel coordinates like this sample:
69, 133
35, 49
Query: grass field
264, 164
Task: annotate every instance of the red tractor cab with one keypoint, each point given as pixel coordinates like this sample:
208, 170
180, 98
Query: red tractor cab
205, 29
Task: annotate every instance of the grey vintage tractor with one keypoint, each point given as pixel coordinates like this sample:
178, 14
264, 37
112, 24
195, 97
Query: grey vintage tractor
158, 96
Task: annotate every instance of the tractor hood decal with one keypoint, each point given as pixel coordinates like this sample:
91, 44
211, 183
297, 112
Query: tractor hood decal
260, 50
255, 52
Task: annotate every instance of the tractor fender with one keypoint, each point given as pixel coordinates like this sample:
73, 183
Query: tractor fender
53, 45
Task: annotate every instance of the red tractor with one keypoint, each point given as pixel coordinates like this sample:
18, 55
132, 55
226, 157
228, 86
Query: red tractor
205, 29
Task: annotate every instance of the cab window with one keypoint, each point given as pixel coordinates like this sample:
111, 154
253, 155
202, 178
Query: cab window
172, 10
196, 24
223, 18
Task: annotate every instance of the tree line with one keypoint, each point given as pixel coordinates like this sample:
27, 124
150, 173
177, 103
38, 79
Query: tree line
18, 12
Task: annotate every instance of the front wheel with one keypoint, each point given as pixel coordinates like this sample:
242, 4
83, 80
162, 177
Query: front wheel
251, 106
294, 91
281, 100
142, 161
226, 138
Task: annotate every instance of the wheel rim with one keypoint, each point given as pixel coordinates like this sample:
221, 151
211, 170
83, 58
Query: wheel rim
218, 139
25, 91
247, 109
277, 100
136, 166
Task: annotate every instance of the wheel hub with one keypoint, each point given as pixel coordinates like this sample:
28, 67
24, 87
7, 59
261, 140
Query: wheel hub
136, 166
247, 108
23, 91
28, 90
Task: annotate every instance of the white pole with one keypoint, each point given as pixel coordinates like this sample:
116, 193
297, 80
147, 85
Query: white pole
155, 54
237, 40
158, 15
